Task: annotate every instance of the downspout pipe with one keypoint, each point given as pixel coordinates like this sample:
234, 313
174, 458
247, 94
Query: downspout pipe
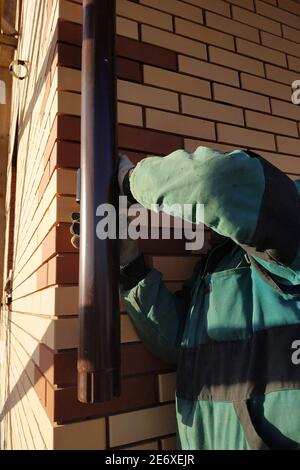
99, 319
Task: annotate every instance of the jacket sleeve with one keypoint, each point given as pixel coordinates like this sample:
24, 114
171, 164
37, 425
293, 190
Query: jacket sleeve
245, 198
157, 314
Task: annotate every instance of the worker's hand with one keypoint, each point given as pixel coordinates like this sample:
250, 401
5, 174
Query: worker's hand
124, 168
129, 251
75, 229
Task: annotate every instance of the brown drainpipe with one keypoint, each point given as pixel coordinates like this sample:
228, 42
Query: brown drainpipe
99, 346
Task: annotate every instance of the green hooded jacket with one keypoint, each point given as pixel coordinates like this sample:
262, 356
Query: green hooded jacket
234, 330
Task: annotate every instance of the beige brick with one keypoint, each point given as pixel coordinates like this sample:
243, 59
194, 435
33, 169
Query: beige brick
148, 96
294, 63
167, 387
66, 181
40, 328
290, 6
177, 8
277, 14
236, 61
209, 71
62, 208
280, 44
203, 34
27, 396
66, 300
153, 445
258, 21
128, 334
69, 103
271, 124
242, 98
288, 110
68, 79
232, 27
271, 2
248, 4
281, 75
169, 443
129, 114
141, 425
245, 137
266, 87
70, 11
285, 163
264, 53
127, 28
294, 177
66, 333
217, 6
173, 42
291, 33
176, 81
212, 110
85, 435
191, 145
288, 146
144, 14
178, 124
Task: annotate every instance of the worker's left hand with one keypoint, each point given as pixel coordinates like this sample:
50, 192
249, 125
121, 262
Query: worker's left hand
75, 230
129, 249
124, 168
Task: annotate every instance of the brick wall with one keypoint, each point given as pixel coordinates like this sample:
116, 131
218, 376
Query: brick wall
192, 72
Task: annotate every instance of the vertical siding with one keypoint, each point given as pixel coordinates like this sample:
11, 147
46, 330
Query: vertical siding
192, 72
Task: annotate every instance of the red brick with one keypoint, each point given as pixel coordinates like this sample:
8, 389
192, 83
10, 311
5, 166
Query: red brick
68, 128
135, 359
69, 32
146, 53
65, 155
137, 392
63, 237
66, 269
69, 55
144, 140
129, 70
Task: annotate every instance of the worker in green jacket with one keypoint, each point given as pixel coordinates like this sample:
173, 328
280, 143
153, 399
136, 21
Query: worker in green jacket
234, 330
